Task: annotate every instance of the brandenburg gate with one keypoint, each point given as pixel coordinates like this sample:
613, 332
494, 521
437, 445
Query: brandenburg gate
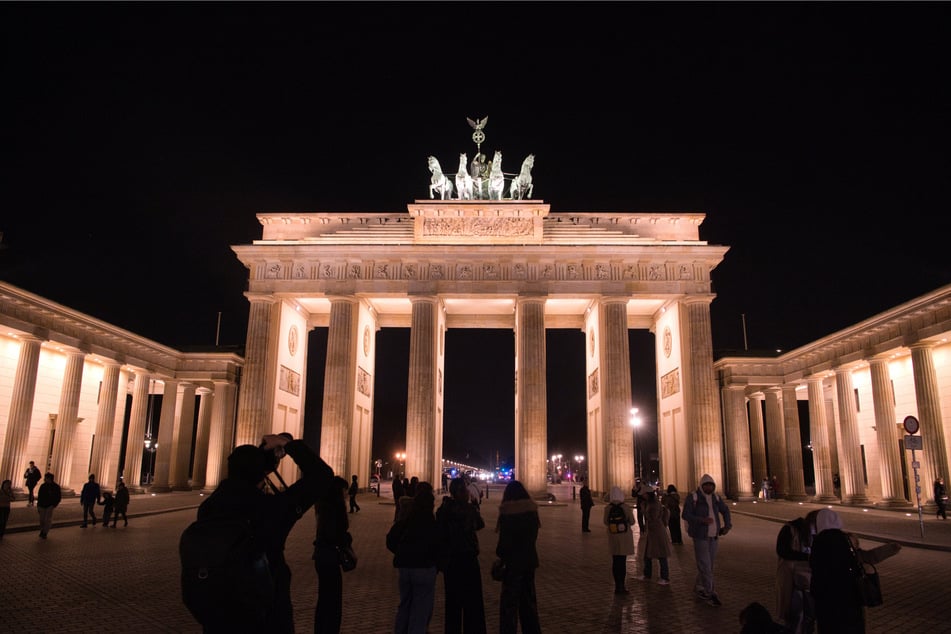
472, 263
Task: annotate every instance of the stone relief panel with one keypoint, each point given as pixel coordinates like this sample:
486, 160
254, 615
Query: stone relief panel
670, 383
300, 271
478, 227
273, 271
593, 385
363, 382
289, 381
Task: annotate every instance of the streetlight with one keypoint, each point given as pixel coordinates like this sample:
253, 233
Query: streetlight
635, 423
151, 449
556, 464
579, 460
401, 456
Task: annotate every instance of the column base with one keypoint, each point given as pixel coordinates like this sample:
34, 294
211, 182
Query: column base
160, 489
826, 499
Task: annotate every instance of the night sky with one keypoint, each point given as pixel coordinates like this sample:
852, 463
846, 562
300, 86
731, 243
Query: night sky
139, 140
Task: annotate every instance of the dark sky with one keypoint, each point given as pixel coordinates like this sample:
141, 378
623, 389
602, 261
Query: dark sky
140, 139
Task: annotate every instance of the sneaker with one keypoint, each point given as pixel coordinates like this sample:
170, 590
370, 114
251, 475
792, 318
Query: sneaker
701, 594
715, 600
663, 582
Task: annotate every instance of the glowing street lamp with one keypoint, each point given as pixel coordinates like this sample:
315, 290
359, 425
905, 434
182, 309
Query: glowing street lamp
401, 456
638, 463
578, 460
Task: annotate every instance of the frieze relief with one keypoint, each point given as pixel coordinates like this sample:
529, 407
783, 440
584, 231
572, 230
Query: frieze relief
363, 382
487, 270
457, 227
670, 383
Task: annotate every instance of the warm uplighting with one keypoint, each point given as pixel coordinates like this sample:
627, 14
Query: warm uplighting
636, 423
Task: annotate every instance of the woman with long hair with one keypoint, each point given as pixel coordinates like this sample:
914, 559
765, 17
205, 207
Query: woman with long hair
517, 527
332, 531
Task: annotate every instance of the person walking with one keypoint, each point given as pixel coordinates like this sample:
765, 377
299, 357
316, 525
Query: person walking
6, 497
655, 542
458, 522
122, 504
702, 511
332, 532
414, 542
354, 489
941, 498
47, 499
108, 504
587, 501
620, 540
32, 477
517, 528
672, 502
89, 497
834, 558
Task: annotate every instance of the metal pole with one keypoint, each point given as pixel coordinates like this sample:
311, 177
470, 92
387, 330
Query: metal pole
921, 521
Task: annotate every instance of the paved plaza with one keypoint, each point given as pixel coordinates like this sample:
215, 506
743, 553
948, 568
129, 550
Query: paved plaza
126, 579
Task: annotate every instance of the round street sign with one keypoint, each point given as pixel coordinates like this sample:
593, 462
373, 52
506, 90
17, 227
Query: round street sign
911, 424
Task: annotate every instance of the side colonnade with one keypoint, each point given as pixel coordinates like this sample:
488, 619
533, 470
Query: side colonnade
857, 386
81, 400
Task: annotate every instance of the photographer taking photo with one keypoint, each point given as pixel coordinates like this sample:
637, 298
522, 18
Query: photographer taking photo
271, 515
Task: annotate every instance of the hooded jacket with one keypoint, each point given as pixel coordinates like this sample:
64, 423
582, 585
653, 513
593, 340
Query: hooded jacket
696, 509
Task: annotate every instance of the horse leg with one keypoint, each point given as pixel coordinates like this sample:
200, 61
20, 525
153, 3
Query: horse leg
529, 194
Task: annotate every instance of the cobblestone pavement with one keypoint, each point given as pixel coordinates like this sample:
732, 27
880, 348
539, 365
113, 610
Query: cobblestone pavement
126, 579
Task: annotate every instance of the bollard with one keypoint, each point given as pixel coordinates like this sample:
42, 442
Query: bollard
573, 492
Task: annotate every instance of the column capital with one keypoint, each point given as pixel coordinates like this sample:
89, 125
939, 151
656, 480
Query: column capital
705, 298
260, 298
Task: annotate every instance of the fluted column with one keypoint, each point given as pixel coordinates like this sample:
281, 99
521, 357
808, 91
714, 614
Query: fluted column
421, 396
132, 467
796, 489
934, 459
701, 401
739, 470
758, 438
199, 469
105, 423
220, 440
531, 424
254, 400
887, 433
182, 438
339, 384
166, 435
66, 422
616, 393
819, 437
776, 441
852, 475
16, 439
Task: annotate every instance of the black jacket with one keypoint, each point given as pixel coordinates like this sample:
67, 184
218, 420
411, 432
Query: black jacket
49, 495
518, 531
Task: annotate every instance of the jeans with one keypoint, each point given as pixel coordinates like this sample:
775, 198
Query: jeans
465, 609
46, 518
417, 596
704, 551
664, 569
329, 610
519, 603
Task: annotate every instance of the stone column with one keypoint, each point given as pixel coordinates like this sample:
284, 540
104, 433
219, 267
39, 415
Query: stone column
105, 422
132, 466
531, 407
934, 458
853, 475
757, 439
739, 485
796, 490
254, 404
339, 384
776, 441
421, 391
701, 402
200, 467
887, 433
819, 437
166, 435
66, 422
15, 461
616, 393
182, 438
221, 438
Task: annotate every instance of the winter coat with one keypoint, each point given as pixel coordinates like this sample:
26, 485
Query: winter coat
414, 542
586, 500
50, 495
655, 543
518, 531
122, 499
90, 494
458, 523
696, 508
621, 543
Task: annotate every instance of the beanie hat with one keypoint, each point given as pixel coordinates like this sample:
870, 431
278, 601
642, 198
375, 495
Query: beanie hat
827, 519
616, 496
248, 463
706, 478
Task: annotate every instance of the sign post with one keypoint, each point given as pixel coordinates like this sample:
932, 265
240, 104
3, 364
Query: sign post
914, 442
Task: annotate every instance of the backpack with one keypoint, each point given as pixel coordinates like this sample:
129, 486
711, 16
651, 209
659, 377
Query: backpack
617, 520
224, 577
